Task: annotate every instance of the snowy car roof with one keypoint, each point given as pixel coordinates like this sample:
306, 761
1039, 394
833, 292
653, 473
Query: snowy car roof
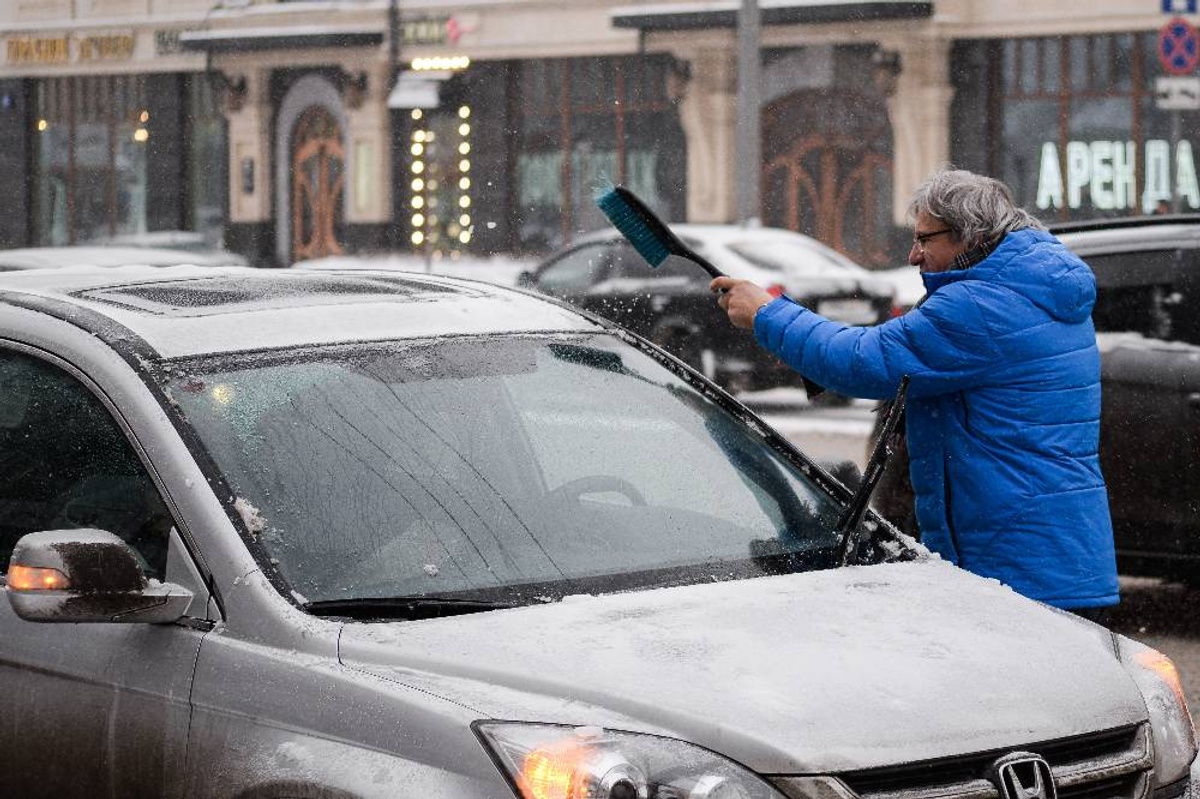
189, 311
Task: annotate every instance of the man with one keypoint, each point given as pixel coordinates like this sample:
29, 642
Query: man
1003, 412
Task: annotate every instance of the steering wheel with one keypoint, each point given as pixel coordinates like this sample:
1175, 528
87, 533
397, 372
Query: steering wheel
598, 484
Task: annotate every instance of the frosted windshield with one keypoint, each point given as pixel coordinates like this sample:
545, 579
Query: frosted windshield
516, 467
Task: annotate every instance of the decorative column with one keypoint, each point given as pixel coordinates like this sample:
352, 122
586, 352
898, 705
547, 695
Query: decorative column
248, 111
708, 113
919, 108
369, 157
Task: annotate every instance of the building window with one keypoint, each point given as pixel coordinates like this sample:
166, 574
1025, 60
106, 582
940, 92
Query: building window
587, 122
91, 158
1101, 146
208, 160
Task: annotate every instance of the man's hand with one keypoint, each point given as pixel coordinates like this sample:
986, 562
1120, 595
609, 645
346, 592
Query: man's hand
741, 299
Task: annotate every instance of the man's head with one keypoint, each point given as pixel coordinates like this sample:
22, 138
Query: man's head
955, 211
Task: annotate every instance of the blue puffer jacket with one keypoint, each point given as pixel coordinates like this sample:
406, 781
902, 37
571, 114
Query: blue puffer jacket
1003, 414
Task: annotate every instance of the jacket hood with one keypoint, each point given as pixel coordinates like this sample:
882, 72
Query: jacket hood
1038, 266
820, 672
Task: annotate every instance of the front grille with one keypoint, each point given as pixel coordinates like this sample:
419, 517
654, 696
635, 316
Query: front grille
1114, 764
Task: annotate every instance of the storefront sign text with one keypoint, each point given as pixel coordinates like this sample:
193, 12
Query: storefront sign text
68, 49
1104, 173
34, 50
106, 48
432, 30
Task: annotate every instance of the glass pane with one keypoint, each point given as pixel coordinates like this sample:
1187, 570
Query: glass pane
1081, 65
68, 465
1029, 66
513, 468
1052, 65
130, 176
93, 173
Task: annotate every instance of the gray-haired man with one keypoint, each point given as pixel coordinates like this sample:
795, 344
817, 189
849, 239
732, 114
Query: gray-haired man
1004, 400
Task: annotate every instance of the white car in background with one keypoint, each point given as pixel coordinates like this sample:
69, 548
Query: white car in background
107, 256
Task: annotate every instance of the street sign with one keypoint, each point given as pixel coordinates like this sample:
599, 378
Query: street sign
1176, 93
1179, 6
1178, 47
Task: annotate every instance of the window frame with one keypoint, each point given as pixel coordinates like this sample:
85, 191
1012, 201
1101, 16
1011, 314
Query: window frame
9, 346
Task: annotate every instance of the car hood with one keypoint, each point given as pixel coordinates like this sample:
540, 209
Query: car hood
826, 671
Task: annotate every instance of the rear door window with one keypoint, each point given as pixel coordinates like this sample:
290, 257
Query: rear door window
1150, 293
574, 271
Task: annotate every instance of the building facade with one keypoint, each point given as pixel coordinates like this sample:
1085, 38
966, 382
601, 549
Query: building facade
294, 129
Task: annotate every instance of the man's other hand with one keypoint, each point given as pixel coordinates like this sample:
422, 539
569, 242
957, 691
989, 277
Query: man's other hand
741, 299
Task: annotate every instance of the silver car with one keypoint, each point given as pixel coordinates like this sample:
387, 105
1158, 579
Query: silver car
302, 534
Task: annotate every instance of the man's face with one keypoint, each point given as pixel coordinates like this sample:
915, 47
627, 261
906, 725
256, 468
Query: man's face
934, 244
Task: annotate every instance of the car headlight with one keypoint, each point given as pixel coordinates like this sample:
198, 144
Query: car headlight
551, 761
1170, 722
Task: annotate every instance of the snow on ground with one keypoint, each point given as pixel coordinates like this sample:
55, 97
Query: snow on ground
499, 269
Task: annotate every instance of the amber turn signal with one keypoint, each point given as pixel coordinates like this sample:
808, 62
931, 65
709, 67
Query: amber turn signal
34, 578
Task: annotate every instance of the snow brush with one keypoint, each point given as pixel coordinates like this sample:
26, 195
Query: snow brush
654, 241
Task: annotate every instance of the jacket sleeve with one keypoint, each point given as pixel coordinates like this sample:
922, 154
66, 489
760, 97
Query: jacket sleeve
943, 346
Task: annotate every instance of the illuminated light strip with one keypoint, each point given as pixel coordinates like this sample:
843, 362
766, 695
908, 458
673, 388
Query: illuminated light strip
417, 200
464, 182
440, 63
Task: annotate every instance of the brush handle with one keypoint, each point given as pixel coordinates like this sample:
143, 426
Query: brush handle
702, 262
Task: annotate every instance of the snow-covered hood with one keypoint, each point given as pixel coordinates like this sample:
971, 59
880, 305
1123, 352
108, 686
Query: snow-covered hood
821, 672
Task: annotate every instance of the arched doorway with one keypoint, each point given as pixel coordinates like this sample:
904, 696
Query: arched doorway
318, 165
828, 171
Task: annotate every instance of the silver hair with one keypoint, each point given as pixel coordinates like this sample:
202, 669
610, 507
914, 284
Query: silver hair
977, 208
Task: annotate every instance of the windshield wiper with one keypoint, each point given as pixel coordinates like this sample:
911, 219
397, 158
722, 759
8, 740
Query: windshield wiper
852, 514
403, 607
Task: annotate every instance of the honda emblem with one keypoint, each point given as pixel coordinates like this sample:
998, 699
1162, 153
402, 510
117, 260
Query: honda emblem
1023, 775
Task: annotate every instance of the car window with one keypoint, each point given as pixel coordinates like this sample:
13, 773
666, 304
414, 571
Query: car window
66, 464
627, 262
573, 271
1147, 293
521, 466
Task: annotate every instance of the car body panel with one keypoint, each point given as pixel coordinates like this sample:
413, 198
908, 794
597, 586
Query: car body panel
929, 641
258, 698
1147, 318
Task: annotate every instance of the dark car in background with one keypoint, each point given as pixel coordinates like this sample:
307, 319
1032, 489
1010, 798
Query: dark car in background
1147, 318
672, 306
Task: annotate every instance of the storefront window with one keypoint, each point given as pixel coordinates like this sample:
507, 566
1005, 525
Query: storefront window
1102, 147
207, 154
585, 123
91, 151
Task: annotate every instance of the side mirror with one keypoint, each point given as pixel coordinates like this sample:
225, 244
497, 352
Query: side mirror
87, 576
525, 280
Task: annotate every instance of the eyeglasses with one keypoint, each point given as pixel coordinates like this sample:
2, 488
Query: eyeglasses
919, 240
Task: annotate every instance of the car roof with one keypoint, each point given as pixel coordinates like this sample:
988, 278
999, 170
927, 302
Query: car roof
112, 256
192, 311
1130, 234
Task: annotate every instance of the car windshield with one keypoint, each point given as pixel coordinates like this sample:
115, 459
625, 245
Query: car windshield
510, 468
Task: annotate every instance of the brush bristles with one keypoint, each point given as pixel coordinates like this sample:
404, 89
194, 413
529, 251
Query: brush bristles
633, 227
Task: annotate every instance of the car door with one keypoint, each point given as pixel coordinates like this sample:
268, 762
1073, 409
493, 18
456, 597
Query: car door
88, 710
1146, 322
